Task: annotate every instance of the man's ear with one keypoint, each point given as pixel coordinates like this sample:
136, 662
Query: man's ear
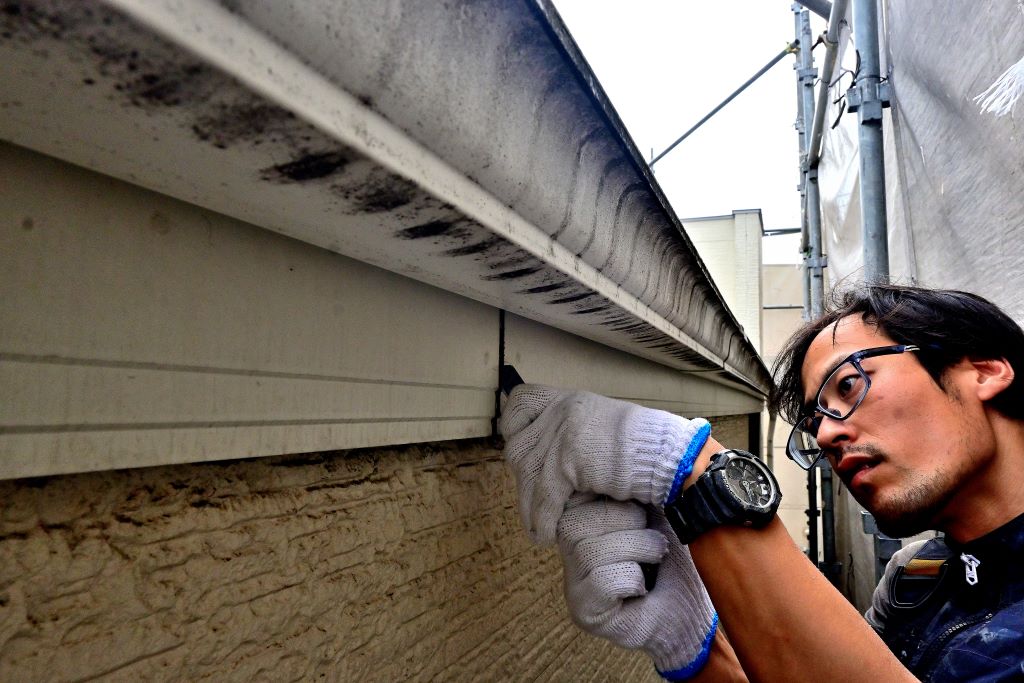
994, 375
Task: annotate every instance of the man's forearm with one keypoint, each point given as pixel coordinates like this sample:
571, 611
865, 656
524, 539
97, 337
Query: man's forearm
785, 621
722, 666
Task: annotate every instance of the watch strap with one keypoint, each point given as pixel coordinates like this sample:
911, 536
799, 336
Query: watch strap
697, 511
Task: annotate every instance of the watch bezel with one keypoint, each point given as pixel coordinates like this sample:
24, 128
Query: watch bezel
710, 502
717, 468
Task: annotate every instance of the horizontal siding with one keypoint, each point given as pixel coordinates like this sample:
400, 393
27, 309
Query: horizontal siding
140, 330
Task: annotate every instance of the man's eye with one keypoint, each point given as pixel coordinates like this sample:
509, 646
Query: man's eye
848, 385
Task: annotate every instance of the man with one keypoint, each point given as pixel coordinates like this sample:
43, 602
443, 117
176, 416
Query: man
912, 397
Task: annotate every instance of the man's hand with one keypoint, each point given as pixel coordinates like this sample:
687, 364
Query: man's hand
602, 543
558, 442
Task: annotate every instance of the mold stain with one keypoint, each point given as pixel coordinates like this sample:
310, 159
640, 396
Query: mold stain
571, 298
309, 166
513, 274
595, 309
386, 195
228, 123
432, 229
541, 289
475, 248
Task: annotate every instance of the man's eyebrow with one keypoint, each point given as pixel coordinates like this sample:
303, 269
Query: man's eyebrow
809, 405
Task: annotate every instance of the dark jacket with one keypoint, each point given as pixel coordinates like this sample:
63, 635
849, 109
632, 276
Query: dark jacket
946, 622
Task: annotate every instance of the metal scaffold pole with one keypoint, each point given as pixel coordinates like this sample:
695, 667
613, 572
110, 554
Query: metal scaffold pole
814, 264
868, 96
806, 77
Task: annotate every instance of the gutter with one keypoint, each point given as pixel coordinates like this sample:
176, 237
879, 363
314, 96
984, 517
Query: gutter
466, 148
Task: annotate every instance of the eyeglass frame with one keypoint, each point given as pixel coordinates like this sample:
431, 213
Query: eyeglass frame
854, 358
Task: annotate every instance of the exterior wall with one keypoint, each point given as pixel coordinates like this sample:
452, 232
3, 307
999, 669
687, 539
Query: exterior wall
730, 247
141, 331
732, 431
782, 287
369, 565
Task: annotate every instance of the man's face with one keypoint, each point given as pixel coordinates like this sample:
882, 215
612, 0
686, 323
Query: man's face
910, 446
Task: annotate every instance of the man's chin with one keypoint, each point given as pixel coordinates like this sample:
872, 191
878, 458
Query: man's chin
902, 526
903, 518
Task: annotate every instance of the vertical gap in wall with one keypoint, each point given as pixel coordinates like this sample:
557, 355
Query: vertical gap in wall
754, 433
501, 364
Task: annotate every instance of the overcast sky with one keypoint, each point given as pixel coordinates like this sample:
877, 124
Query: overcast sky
667, 63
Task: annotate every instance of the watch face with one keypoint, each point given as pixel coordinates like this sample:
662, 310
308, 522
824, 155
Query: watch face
749, 483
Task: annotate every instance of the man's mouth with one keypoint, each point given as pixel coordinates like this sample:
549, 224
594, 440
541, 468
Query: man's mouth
859, 475
854, 468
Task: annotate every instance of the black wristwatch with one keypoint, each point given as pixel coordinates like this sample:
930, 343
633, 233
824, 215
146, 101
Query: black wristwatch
736, 489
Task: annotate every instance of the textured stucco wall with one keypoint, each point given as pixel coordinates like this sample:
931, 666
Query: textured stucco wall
732, 431
382, 565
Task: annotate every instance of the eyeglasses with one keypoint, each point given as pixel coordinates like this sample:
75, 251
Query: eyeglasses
840, 394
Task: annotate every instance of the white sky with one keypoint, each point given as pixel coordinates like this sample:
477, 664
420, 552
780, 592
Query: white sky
667, 63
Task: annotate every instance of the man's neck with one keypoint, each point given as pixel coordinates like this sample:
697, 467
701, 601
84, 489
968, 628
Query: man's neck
995, 495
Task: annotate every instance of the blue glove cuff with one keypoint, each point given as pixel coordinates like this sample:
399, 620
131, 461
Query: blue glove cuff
694, 667
685, 467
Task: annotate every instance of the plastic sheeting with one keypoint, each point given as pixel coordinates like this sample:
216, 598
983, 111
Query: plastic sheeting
954, 175
954, 179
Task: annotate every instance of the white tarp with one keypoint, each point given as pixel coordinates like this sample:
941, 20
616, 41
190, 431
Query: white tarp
954, 174
954, 178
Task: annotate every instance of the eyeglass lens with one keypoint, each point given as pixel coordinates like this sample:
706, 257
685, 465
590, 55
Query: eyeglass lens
839, 396
843, 391
803, 447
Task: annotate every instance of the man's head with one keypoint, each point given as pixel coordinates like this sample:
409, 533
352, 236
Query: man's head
920, 437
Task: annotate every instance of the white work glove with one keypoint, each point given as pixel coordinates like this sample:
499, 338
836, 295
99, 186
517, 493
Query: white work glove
558, 442
602, 543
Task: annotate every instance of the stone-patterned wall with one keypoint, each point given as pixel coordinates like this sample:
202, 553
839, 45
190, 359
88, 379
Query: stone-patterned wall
370, 565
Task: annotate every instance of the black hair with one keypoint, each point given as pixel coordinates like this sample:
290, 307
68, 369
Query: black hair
948, 325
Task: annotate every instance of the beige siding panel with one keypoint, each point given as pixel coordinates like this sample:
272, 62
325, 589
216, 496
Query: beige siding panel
138, 330
544, 355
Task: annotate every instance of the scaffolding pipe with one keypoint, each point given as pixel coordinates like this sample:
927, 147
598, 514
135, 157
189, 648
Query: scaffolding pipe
806, 76
869, 97
831, 38
823, 8
764, 69
828, 526
812, 515
814, 264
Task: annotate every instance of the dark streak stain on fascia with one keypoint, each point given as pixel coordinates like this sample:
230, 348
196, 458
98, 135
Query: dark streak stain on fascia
544, 288
513, 274
476, 248
596, 309
430, 229
308, 167
571, 298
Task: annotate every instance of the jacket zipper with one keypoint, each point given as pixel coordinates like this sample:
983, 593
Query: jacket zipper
971, 564
946, 635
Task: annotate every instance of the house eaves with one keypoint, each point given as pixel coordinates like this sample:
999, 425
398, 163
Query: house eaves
466, 145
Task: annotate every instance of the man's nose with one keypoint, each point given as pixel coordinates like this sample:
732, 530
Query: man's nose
832, 433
